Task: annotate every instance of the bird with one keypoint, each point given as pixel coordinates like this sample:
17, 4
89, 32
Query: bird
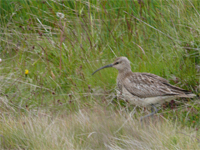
144, 89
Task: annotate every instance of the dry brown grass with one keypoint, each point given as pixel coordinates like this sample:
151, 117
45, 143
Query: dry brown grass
96, 128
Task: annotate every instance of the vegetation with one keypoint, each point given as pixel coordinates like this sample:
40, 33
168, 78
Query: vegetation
49, 49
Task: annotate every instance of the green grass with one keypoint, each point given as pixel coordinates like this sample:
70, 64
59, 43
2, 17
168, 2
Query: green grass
160, 37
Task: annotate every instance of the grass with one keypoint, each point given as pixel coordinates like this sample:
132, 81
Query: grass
160, 37
95, 128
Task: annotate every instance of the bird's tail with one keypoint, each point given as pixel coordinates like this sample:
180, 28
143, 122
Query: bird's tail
190, 95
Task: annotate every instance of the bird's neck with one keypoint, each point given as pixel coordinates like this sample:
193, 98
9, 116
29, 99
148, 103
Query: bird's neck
124, 72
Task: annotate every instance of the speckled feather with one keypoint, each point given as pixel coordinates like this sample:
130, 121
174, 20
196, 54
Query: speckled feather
148, 85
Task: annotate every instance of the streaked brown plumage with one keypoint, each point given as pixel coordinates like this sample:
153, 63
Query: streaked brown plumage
144, 89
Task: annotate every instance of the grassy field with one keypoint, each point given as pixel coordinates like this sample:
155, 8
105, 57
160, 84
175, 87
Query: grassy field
57, 104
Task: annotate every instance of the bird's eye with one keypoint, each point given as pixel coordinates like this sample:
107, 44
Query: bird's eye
116, 63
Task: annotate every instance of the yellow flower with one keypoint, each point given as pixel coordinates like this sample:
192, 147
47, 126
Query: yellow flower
26, 72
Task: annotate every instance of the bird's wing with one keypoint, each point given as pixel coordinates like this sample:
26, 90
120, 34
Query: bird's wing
142, 85
166, 82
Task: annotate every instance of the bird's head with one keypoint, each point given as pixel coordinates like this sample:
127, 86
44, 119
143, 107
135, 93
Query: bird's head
120, 63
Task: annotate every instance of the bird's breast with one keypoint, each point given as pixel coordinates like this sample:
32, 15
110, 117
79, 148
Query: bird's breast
119, 85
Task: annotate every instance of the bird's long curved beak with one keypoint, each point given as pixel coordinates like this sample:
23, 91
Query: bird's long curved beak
110, 65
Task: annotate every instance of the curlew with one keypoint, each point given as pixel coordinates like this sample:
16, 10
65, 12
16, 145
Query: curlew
144, 89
